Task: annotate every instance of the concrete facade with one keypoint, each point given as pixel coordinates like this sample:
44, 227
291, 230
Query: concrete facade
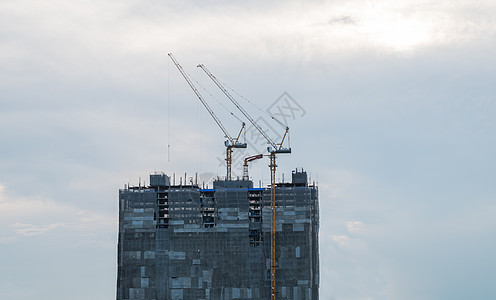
185, 242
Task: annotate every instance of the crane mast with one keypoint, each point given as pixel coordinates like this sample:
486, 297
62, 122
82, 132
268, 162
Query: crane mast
273, 150
231, 142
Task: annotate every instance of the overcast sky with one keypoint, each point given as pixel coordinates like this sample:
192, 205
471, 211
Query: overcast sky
396, 122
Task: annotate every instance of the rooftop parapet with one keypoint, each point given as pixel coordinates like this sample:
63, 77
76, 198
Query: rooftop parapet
233, 184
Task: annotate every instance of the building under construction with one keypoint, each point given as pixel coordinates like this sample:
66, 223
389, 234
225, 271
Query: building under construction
187, 242
233, 241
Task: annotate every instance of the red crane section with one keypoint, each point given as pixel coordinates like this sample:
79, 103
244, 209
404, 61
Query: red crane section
245, 165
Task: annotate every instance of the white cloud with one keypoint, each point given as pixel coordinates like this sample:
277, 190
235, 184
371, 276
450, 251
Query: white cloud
75, 41
354, 226
341, 240
30, 229
26, 217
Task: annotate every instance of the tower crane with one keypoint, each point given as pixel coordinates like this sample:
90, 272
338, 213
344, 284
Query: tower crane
230, 143
245, 165
273, 149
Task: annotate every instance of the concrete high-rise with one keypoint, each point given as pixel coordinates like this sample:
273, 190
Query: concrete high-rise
187, 242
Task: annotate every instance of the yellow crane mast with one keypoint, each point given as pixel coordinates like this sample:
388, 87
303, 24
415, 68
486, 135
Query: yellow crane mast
231, 142
273, 149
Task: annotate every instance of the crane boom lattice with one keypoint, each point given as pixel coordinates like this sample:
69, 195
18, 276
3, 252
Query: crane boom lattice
231, 142
273, 150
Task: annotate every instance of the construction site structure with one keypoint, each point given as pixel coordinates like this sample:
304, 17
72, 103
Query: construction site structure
187, 242
273, 149
230, 143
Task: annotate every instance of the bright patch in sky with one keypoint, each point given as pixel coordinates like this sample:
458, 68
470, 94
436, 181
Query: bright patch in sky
397, 32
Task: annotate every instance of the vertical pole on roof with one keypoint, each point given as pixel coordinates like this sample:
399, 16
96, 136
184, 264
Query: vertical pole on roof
272, 225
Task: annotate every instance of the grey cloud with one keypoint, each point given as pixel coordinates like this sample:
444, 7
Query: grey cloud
343, 19
401, 142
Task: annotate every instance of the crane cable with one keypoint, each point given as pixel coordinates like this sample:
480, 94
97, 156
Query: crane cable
263, 111
168, 112
257, 107
215, 98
